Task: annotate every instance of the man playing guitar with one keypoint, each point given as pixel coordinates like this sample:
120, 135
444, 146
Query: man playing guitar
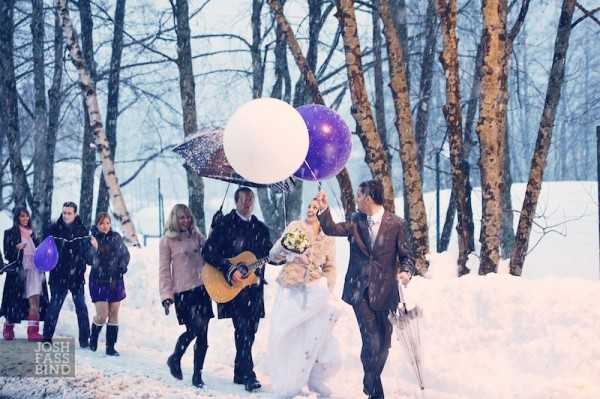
237, 232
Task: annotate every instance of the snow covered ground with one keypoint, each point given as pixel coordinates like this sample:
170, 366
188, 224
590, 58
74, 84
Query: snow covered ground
495, 337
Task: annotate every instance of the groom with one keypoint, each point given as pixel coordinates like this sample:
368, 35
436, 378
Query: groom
378, 258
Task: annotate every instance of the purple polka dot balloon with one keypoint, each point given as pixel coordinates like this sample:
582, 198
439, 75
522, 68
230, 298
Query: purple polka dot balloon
330, 143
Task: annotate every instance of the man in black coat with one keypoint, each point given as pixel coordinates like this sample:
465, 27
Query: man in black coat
74, 252
237, 232
378, 257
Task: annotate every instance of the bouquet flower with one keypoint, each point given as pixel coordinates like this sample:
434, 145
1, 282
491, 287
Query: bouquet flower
295, 241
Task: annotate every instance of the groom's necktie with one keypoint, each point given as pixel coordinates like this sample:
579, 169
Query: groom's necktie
371, 223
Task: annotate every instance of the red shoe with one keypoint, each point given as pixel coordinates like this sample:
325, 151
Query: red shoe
8, 333
33, 330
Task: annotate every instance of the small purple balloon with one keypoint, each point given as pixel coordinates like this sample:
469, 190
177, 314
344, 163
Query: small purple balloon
45, 257
330, 143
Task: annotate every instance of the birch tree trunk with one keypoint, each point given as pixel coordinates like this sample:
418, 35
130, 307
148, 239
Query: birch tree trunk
40, 123
361, 108
491, 138
343, 178
447, 11
88, 154
9, 111
399, 11
187, 91
89, 91
508, 234
112, 105
413, 187
544, 138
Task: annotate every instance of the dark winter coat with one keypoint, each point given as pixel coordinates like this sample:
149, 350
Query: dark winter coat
74, 252
376, 268
111, 259
14, 307
231, 236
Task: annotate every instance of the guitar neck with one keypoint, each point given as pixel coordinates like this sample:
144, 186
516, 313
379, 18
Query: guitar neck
258, 264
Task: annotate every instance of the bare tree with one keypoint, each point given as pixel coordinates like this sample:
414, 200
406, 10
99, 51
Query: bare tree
89, 92
55, 96
378, 83
544, 137
9, 112
187, 90
447, 11
411, 178
88, 153
112, 106
361, 108
307, 70
425, 81
491, 137
508, 235
40, 215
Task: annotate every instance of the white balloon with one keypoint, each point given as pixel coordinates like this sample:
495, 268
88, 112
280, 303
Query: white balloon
265, 140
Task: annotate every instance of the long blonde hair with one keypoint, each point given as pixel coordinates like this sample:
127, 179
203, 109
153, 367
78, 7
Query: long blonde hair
172, 229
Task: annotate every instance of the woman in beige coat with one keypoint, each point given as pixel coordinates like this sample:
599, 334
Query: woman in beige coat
302, 349
180, 258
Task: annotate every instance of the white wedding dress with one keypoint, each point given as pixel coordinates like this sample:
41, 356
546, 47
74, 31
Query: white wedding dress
302, 349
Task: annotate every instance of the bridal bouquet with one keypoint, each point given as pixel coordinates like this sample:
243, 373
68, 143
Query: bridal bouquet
295, 241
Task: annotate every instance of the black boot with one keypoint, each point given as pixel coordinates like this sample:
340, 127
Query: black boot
94, 336
174, 361
112, 331
199, 355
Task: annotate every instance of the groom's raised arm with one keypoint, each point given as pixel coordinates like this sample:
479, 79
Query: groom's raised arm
331, 228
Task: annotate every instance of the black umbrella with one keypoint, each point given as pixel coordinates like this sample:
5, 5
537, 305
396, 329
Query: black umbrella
204, 154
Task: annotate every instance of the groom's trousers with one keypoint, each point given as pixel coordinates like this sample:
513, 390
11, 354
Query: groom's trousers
376, 333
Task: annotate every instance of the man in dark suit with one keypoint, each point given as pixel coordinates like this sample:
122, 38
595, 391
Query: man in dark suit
379, 256
234, 233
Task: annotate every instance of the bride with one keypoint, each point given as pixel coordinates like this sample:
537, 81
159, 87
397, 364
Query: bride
302, 349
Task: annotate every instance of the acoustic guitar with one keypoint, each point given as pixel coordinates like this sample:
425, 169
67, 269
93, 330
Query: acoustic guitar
219, 289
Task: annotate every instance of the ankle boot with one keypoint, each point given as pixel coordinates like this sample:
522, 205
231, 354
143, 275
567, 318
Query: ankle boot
8, 333
96, 328
112, 331
33, 329
199, 355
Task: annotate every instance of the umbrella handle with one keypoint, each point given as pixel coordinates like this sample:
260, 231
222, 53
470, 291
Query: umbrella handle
402, 300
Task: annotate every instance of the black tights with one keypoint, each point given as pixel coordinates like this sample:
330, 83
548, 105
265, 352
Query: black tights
196, 328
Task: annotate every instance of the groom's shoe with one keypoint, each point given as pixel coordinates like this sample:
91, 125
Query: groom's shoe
252, 384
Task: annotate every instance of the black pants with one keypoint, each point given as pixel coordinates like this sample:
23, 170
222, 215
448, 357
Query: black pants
245, 331
376, 334
57, 298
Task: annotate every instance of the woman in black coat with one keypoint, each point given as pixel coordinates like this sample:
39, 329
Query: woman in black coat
25, 294
107, 286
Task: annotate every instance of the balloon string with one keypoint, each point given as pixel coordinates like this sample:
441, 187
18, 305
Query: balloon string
312, 172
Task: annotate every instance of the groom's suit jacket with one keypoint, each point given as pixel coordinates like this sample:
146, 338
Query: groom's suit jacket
373, 268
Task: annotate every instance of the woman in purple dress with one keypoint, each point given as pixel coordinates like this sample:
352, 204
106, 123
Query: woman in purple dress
107, 287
